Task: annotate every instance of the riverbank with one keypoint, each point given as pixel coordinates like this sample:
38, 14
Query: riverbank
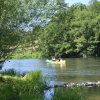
18, 87
32, 86
28, 53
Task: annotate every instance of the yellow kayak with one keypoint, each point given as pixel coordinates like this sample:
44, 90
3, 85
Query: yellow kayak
60, 62
56, 62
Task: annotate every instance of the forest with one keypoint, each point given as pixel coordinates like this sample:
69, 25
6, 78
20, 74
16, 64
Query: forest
51, 28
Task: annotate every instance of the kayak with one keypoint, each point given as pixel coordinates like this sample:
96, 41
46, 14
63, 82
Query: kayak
56, 62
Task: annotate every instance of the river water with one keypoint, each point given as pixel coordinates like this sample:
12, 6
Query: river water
75, 70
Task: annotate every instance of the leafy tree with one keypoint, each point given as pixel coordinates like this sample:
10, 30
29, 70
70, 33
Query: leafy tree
72, 32
15, 17
10, 17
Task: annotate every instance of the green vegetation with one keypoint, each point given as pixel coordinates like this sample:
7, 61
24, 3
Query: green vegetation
72, 32
69, 94
10, 20
15, 18
10, 72
63, 31
25, 55
30, 86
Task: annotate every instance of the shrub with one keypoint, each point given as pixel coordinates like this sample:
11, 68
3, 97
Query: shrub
29, 87
7, 92
10, 72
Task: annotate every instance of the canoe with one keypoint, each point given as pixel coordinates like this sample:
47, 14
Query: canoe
56, 62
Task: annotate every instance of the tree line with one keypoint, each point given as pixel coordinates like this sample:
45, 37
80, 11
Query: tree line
72, 32
58, 30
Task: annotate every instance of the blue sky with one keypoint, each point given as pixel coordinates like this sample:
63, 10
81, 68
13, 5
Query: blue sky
70, 2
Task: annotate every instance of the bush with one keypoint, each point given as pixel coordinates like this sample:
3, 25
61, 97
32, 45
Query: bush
35, 81
7, 92
33, 76
31, 87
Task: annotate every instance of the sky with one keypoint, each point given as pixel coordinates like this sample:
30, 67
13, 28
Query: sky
70, 2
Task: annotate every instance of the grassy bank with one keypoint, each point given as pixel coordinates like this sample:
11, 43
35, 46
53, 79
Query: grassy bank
69, 94
26, 55
27, 87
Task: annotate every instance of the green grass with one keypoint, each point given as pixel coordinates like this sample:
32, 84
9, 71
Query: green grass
10, 72
29, 87
69, 94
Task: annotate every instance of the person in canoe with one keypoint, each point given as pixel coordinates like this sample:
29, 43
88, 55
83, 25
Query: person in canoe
54, 59
58, 59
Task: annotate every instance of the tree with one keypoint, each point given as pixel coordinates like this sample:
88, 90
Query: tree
72, 32
9, 22
19, 16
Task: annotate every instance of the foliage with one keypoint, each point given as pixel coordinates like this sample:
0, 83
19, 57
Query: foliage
72, 32
26, 55
18, 17
22, 88
56, 30
10, 72
12, 15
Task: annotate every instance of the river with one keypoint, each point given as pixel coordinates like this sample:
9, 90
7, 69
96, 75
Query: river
75, 70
